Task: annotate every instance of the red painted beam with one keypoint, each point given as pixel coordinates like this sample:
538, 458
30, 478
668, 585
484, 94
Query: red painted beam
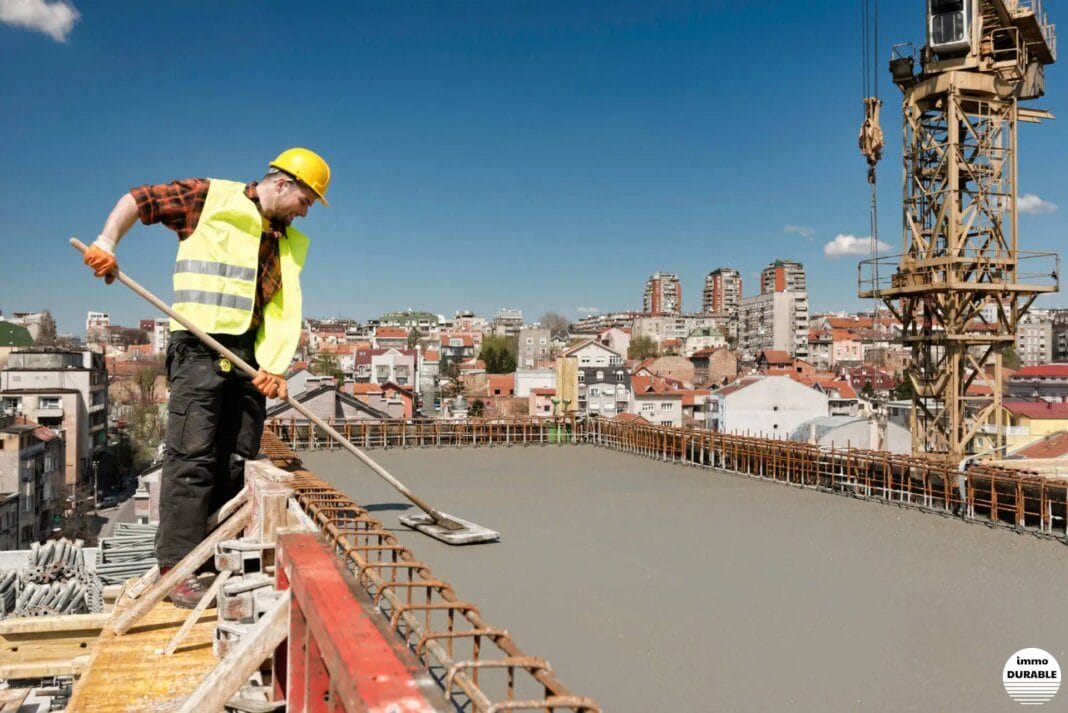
343, 656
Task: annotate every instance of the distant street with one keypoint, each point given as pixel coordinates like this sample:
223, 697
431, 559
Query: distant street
123, 512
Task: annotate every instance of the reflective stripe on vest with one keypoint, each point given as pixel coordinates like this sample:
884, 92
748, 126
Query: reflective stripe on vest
215, 276
218, 299
221, 269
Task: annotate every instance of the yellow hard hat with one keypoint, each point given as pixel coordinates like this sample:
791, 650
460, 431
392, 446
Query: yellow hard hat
307, 167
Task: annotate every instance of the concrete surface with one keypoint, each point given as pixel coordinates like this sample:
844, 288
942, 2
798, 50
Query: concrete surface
656, 587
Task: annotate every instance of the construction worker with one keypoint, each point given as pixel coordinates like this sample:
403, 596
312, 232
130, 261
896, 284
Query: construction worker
237, 278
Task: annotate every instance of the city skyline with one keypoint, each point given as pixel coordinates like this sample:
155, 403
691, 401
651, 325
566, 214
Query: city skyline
484, 157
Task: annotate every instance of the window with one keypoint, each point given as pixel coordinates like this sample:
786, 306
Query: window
541, 341
666, 406
600, 375
619, 376
582, 377
530, 340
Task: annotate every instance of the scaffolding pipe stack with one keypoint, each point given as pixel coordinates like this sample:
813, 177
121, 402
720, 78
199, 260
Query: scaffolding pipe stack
54, 581
129, 552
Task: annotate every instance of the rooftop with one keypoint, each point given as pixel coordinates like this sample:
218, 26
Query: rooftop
606, 578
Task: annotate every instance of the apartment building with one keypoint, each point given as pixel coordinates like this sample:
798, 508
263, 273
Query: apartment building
774, 321
508, 322
660, 328
663, 294
604, 384
31, 470
534, 345
1034, 340
723, 291
783, 276
61, 390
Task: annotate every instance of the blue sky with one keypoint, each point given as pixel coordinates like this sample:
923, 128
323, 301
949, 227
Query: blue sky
538, 155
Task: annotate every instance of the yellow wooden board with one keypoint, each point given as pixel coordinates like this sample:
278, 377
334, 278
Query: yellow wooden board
129, 674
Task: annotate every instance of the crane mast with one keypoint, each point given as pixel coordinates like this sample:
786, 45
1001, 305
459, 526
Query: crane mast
961, 285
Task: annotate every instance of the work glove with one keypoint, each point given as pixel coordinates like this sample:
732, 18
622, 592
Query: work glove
270, 385
102, 262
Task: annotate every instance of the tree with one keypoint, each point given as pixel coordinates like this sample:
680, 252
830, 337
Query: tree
499, 354
136, 400
642, 347
902, 390
326, 364
868, 391
46, 337
1010, 359
414, 335
554, 322
477, 408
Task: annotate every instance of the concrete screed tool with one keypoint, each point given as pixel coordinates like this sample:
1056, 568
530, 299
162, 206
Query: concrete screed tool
447, 528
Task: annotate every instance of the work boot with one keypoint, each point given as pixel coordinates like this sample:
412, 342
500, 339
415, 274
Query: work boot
188, 593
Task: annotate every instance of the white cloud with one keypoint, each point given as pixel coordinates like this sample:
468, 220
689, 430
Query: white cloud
53, 18
799, 229
587, 310
851, 245
1030, 203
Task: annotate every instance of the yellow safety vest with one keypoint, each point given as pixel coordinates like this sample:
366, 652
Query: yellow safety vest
215, 276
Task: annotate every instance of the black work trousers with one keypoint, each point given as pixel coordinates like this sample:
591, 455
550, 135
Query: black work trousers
215, 421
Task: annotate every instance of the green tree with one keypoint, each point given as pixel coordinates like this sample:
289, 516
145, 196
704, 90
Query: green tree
477, 408
902, 390
414, 335
868, 391
642, 347
499, 354
326, 364
1010, 359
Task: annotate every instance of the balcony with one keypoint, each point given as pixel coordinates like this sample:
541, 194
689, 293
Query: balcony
51, 412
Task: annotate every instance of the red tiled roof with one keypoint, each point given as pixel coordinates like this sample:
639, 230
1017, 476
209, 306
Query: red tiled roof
1036, 410
391, 332
361, 389
1054, 445
776, 356
1056, 371
629, 418
502, 382
543, 392
845, 391
690, 395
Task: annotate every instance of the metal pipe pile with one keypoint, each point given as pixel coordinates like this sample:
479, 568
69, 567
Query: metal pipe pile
54, 581
129, 552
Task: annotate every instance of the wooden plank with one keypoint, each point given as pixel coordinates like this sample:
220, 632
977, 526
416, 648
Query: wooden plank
128, 673
11, 699
47, 644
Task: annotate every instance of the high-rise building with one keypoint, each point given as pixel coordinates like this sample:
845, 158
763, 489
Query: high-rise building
774, 320
723, 292
663, 294
783, 276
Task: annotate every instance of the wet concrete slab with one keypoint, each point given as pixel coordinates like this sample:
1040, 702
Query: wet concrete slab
659, 587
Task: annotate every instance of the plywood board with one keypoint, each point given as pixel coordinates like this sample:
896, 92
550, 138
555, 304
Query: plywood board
128, 674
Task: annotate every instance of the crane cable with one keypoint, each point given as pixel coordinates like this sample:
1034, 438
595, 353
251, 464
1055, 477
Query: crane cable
871, 140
